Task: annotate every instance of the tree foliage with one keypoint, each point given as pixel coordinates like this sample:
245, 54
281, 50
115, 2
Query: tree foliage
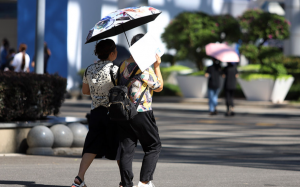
188, 33
257, 24
229, 27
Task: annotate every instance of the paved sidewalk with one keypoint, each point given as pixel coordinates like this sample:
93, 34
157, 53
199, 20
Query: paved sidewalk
242, 107
258, 147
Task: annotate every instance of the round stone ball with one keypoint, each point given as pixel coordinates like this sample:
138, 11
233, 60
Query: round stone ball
79, 134
63, 136
40, 136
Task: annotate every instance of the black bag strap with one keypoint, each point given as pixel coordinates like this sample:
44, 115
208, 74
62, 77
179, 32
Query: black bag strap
132, 75
141, 96
111, 72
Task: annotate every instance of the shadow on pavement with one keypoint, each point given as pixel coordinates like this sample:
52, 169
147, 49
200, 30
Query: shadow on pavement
26, 183
266, 156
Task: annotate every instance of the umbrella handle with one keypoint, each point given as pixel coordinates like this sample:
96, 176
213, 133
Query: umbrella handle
125, 35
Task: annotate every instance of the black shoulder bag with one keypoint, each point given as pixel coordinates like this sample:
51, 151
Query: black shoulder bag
120, 107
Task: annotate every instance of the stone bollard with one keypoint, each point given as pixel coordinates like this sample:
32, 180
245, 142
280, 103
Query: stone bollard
63, 139
79, 134
40, 140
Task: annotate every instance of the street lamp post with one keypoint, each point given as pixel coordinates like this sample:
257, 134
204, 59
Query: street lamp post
39, 36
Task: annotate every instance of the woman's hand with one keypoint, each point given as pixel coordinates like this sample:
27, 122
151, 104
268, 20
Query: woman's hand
158, 61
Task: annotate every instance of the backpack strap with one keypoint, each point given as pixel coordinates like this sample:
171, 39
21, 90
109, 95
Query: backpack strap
141, 96
132, 74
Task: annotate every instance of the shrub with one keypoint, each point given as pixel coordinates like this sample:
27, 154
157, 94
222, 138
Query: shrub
264, 25
250, 51
166, 71
188, 33
29, 96
292, 64
229, 26
198, 73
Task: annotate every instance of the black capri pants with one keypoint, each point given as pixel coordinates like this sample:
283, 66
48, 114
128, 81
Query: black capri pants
102, 138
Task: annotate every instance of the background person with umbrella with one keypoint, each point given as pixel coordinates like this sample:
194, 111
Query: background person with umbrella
223, 53
213, 73
230, 74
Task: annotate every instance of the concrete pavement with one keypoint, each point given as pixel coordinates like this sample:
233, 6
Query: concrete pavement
257, 147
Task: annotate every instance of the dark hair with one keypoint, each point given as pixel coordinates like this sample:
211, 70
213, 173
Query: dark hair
12, 50
45, 48
23, 48
104, 48
136, 38
5, 43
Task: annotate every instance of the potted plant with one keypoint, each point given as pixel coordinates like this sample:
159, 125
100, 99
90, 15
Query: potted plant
188, 33
268, 81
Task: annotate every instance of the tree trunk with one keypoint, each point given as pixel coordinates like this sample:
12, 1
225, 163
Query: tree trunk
199, 64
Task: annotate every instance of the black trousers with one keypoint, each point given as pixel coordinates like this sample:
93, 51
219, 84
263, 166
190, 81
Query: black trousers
229, 98
143, 128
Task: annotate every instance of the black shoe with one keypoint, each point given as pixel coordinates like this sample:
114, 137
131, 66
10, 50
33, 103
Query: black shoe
232, 113
227, 114
212, 113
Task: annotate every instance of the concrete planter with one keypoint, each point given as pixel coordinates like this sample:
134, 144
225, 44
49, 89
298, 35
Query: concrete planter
192, 86
281, 88
266, 89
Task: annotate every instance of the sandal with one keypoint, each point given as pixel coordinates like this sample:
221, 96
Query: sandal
82, 183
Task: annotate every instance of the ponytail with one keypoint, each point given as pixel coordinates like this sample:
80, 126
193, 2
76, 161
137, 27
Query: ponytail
23, 48
23, 61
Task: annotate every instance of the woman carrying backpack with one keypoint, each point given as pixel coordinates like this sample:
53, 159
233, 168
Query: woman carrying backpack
102, 139
143, 126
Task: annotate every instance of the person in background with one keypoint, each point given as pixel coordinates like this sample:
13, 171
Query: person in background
47, 54
230, 74
213, 73
4, 54
11, 55
21, 60
2, 46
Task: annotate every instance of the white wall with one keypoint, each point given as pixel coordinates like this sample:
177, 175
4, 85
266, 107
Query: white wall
82, 16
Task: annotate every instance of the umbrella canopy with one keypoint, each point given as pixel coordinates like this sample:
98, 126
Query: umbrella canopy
222, 52
120, 21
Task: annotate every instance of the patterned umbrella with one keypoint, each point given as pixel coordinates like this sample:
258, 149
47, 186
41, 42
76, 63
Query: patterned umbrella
121, 21
222, 52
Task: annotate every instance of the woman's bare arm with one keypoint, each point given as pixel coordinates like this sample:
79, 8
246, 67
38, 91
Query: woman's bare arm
86, 89
158, 74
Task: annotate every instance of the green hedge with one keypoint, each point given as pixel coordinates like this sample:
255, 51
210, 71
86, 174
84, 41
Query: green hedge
166, 71
30, 96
